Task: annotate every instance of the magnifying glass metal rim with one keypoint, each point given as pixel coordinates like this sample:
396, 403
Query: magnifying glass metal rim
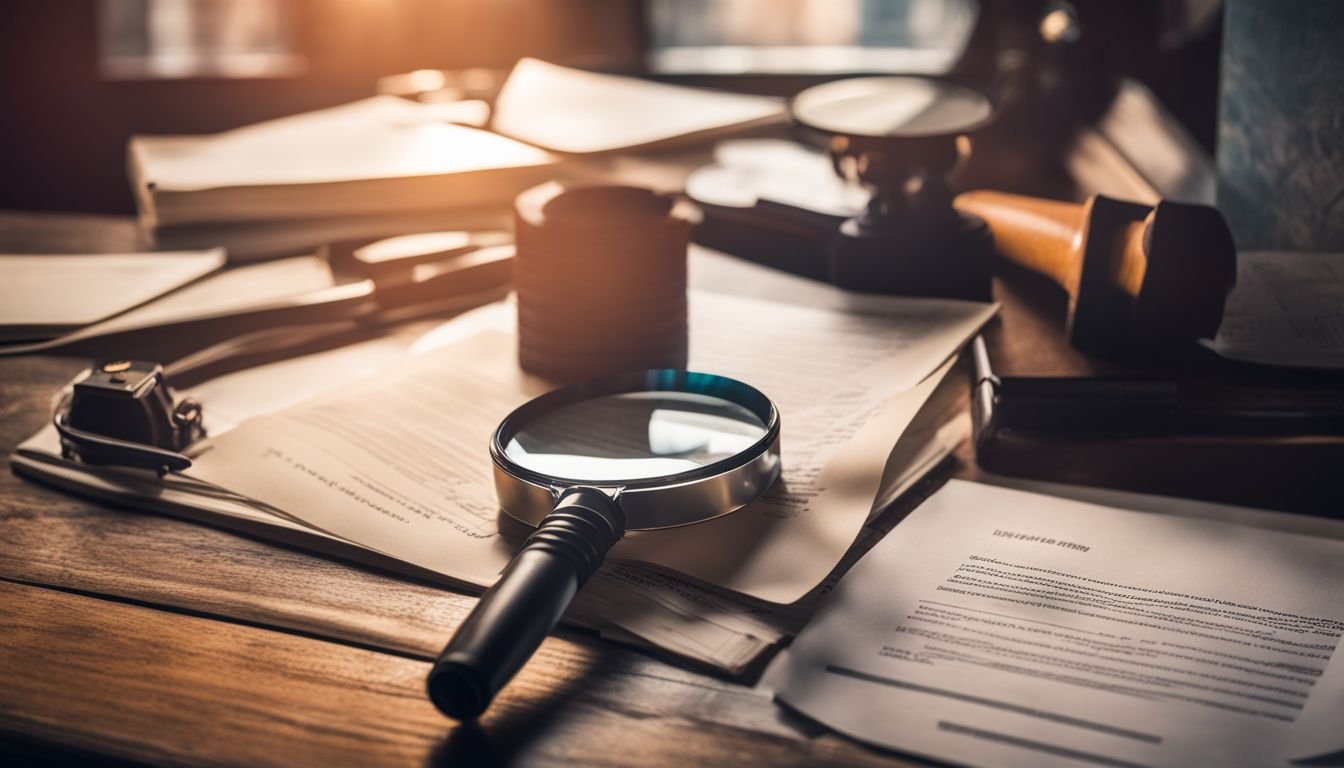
577, 523
666, 501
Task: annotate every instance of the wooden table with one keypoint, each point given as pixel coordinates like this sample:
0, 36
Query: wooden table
133, 637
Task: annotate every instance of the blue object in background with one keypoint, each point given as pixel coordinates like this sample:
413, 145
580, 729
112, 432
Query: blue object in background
1281, 131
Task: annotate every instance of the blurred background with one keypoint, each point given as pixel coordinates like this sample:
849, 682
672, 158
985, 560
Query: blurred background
82, 76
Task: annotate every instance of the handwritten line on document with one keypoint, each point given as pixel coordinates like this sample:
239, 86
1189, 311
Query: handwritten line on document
1039, 746
1053, 717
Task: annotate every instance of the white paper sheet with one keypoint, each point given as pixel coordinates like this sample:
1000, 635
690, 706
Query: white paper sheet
396, 138
1286, 309
251, 286
51, 293
400, 464
996, 627
631, 604
572, 110
380, 156
628, 603
746, 171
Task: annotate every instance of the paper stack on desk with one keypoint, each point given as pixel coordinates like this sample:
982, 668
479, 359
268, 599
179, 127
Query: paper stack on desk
375, 166
378, 155
385, 165
394, 469
45, 295
573, 111
997, 627
1287, 309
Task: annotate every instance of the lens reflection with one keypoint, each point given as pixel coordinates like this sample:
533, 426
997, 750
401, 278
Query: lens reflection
634, 436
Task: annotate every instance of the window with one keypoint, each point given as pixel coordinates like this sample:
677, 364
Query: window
196, 38
807, 36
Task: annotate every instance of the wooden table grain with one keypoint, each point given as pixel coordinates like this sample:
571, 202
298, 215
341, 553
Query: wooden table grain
131, 638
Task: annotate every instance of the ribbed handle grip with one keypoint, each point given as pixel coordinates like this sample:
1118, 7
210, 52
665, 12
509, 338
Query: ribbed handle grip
517, 613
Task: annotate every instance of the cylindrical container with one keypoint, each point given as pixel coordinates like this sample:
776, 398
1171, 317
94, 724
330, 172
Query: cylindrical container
600, 273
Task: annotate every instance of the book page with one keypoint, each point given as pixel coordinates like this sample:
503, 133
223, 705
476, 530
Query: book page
43, 293
572, 110
396, 138
400, 464
622, 601
997, 627
1286, 309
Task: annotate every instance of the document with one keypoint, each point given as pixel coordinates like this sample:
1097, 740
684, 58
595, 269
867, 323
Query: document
624, 602
1286, 309
572, 110
747, 171
998, 627
230, 291
400, 464
303, 166
44, 295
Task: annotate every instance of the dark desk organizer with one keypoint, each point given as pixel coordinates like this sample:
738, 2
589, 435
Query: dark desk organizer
907, 239
1277, 445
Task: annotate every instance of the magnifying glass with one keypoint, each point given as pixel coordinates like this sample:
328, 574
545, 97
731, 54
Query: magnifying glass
584, 464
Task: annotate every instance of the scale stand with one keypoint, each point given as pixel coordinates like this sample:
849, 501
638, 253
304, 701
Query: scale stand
903, 139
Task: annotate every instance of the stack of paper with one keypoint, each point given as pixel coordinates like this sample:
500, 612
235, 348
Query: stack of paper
570, 110
45, 295
382, 154
1286, 309
863, 387
387, 166
382, 158
996, 627
223, 304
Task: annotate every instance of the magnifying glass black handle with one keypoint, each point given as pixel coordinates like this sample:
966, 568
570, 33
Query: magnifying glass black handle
517, 613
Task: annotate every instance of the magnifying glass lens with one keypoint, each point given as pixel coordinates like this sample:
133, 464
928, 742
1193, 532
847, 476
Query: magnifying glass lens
634, 436
650, 449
